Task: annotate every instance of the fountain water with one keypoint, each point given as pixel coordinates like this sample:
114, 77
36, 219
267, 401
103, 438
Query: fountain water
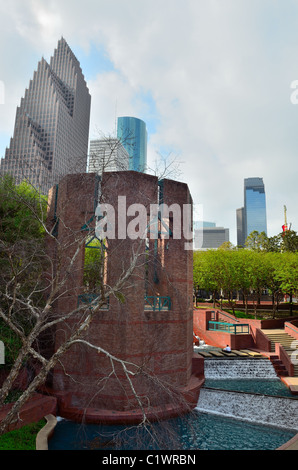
256, 408
213, 427
260, 409
239, 369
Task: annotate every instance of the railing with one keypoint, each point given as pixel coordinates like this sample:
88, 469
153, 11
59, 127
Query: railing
228, 315
216, 314
157, 303
154, 303
232, 328
90, 298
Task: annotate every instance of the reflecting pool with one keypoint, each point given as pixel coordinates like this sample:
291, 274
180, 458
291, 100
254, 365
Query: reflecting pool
196, 431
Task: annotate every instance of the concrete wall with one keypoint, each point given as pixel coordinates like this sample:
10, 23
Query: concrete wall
218, 338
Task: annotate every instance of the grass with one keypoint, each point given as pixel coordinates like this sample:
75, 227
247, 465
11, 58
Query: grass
23, 438
241, 314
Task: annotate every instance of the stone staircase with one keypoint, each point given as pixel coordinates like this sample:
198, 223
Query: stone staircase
280, 369
286, 340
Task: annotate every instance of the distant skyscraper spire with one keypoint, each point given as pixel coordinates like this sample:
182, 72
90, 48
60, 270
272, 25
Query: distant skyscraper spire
52, 123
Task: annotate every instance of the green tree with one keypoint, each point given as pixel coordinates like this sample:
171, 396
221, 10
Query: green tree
289, 241
258, 273
273, 283
286, 274
273, 244
215, 271
228, 276
94, 265
22, 211
256, 241
204, 272
243, 264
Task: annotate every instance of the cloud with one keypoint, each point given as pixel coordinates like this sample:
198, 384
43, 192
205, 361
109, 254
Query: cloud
211, 79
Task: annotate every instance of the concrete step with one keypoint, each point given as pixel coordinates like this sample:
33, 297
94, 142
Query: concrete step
252, 353
279, 368
240, 353
279, 337
286, 340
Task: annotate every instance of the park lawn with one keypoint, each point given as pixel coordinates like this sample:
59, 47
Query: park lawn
241, 314
23, 438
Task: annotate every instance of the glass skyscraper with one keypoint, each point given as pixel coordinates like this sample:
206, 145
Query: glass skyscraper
252, 217
240, 227
52, 123
132, 134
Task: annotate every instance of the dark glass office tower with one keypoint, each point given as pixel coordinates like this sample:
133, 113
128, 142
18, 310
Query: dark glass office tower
132, 134
240, 227
52, 123
252, 217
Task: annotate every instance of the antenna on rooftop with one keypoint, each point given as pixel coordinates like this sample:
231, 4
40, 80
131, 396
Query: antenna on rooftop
116, 118
285, 227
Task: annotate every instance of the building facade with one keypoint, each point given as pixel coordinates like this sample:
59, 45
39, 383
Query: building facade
132, 133
253, 216
240, 226
210, 237
51, 130
150, 324
107, 155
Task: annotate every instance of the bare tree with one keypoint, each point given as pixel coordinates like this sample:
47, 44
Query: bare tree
39, 314
33, 280
108, 153
165, 166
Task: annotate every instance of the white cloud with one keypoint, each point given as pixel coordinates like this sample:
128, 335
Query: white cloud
219, 73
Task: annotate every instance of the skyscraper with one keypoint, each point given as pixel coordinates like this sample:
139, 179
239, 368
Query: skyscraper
107, 155
240, 227
132, 133
52, 123
252, 217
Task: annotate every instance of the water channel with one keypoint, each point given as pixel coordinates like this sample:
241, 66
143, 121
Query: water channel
242, 406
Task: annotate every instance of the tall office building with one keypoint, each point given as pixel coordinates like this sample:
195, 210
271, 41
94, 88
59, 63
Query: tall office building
240, 227
52, 123
132, 133
107, 155
252, 217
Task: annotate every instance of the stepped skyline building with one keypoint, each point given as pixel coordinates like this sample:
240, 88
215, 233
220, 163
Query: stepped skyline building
252, 217
51, 130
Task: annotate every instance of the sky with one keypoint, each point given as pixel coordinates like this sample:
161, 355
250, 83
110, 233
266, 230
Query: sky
211, 78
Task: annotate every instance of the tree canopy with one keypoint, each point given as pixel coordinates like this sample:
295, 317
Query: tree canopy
266, 263
21, 210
